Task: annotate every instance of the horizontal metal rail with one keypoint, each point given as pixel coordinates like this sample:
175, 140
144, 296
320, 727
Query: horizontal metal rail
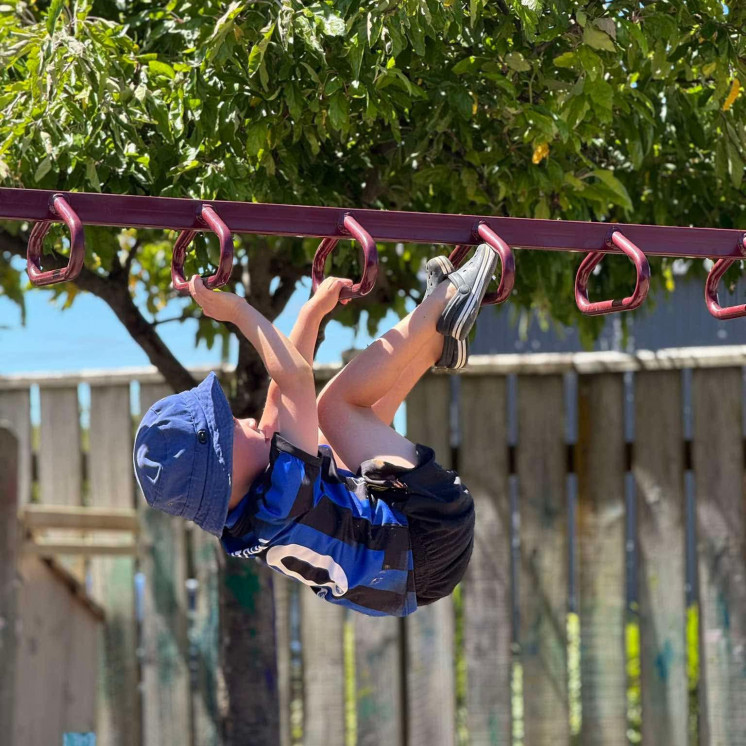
384, 226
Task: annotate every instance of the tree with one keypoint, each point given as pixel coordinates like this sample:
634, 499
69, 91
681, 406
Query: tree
621, 111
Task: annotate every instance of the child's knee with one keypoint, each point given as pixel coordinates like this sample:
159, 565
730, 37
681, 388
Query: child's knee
325, 406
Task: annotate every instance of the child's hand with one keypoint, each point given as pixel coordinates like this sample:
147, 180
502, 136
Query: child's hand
218, 305
326, 297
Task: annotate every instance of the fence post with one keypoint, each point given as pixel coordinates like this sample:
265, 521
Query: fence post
9, 547
600, 466
542, 467
111, 477
430, 675
488, 632
721, 544
165, 671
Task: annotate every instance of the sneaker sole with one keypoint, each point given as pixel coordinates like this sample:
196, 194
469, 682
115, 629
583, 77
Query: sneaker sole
460, 327
455, 354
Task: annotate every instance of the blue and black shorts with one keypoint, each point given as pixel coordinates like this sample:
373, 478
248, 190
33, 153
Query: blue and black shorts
440, 512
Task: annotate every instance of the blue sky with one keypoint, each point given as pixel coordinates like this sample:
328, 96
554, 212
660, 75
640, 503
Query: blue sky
88, 335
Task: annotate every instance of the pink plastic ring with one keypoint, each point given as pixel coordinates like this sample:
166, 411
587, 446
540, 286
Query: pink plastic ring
58, 206
713, 281
225, 267
507, 260
612, 306
370, 260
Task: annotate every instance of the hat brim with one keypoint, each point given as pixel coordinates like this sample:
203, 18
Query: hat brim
213, 507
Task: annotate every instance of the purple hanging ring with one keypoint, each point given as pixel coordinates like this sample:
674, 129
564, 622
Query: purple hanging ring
593, 259
370, 260
713, 281
58, 205
225, 266
507, 261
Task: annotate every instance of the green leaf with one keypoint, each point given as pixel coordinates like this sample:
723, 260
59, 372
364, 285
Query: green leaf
517, 62
568, 59
256, 56
600, 93
598, 39
616, 186
43, 169
161, 68
357, 50
55, 8
92, 174
334, 84
333, 25
468, 64
256, 137
294, 101
735, 165
338, 111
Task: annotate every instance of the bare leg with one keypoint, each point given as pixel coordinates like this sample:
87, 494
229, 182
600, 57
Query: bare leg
385, 408
381, 373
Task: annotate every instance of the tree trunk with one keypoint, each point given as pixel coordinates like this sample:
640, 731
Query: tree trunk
249, 653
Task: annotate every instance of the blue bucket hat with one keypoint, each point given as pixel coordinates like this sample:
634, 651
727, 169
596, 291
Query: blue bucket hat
184, 452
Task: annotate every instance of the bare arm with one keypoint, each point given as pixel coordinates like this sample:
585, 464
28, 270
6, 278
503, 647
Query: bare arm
291, 374
303, 335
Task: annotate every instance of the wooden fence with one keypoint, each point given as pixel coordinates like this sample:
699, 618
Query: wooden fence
591, 613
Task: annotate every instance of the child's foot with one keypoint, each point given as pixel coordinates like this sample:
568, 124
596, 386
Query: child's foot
455, 353
471, 283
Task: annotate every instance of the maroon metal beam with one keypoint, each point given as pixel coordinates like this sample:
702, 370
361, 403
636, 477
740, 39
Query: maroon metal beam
384, 226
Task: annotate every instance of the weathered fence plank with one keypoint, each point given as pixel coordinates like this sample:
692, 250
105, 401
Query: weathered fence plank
541, 467
483, 465
658, 468
60, 472
721, 538
208, 694
378, 680
281, 593
431, 686
15, 408
57, 655
165, 674
112, 485
9, 548
323, 670
600, 468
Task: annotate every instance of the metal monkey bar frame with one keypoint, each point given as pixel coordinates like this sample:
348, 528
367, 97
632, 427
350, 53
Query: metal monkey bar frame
77, 209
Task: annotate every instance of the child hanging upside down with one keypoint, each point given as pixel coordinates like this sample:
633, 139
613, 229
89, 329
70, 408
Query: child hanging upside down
324, 490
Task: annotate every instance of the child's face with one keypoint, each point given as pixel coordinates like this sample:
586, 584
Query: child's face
250, 456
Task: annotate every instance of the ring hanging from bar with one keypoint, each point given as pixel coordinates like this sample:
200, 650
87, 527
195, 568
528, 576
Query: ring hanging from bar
225, 267
507, 261
593, 259
370, 259
713, 281
57, 205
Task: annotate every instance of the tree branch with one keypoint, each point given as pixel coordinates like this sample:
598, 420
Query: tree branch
114, 291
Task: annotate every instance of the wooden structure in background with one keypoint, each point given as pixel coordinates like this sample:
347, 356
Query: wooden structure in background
48, 664
491, 665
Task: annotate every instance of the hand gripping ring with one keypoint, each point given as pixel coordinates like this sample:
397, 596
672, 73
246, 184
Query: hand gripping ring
370, 260
225, 267
713, 280
612, 306
507, 260
57, 205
